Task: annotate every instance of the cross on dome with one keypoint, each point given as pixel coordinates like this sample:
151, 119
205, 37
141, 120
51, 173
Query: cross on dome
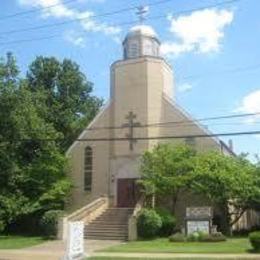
142, 12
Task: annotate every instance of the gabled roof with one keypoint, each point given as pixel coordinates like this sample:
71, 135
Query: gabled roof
223, 146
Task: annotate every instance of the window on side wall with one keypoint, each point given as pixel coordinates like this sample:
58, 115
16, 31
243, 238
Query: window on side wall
88, 168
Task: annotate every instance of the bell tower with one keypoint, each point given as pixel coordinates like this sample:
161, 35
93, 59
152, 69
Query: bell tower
138, 83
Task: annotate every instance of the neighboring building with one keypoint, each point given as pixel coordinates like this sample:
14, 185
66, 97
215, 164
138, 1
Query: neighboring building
142, 93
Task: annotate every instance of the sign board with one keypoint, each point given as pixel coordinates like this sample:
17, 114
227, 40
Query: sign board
199, 212
75, 242
197, 226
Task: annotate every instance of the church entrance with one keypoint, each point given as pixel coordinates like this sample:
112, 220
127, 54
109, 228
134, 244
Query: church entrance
127, 193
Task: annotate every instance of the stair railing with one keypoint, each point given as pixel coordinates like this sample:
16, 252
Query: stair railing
86, 214
132, 221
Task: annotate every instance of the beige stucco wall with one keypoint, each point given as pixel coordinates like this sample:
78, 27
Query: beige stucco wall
186, 126
142, 86
101, 166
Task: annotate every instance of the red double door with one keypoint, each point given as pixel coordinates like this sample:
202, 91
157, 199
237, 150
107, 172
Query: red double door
127, 193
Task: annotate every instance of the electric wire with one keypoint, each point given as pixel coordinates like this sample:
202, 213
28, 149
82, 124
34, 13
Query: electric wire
183, 122
173, 124
191, 121
139, 138
227, 71
83, 18
35, 10
116, 12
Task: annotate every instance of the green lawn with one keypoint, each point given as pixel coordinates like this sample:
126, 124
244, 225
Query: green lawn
17, 242
162, 245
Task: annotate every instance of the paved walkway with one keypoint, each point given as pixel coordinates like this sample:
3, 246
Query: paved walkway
54, 250
180, 256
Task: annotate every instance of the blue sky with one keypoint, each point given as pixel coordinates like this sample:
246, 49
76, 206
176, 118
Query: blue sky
214, 52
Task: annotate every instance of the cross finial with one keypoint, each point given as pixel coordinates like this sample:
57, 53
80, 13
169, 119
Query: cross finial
142, 12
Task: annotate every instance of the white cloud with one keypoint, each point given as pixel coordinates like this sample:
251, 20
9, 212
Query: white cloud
201, 31
184, 87
59, 10
75, 38
250, 104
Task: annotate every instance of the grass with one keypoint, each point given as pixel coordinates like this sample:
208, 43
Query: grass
18, 242
162, 245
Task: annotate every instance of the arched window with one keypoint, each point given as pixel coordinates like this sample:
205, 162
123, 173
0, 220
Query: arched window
88, 167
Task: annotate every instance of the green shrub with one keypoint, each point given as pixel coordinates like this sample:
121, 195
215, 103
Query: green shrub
254, 239
195, 236
168, 222
148, 223
204, 237
49, 223
178, 237
214, 237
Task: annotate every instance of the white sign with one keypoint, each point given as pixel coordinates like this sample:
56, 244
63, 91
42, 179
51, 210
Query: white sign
198, 212
75, 243
197, 226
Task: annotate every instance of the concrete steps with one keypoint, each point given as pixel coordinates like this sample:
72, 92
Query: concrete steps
110, 225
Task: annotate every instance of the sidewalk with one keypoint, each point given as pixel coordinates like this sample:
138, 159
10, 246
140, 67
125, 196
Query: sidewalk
180, 256
52, 250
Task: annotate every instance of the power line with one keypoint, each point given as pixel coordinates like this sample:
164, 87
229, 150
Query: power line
182, 122
34, 10
177, 123
257, 132
196, 9
120, 24
54, 5
173, 136
227, 71
172, 126
82, 18
116, 12
30, 40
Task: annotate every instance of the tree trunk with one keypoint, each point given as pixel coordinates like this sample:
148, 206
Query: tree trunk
153, 200
236, 219
225, 223
174, 201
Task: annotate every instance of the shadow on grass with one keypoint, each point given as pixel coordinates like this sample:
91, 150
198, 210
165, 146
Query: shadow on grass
253, 251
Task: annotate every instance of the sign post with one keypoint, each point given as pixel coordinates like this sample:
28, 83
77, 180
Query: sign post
75, 242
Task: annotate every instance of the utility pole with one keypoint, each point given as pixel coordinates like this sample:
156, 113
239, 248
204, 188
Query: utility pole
131, 124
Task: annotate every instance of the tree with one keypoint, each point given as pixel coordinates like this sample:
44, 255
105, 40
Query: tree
68, 102
30, 166
166, 170
53, 103
229, 182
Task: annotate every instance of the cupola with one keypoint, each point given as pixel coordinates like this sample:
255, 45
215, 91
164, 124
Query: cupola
140, 41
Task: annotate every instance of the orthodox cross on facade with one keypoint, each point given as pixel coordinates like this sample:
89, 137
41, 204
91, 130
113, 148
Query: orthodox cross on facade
142, 12
131, 124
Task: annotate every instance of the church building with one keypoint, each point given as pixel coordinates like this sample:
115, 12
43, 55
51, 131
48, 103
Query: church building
105, 158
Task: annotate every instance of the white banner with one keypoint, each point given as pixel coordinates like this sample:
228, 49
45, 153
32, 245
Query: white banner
75, 242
